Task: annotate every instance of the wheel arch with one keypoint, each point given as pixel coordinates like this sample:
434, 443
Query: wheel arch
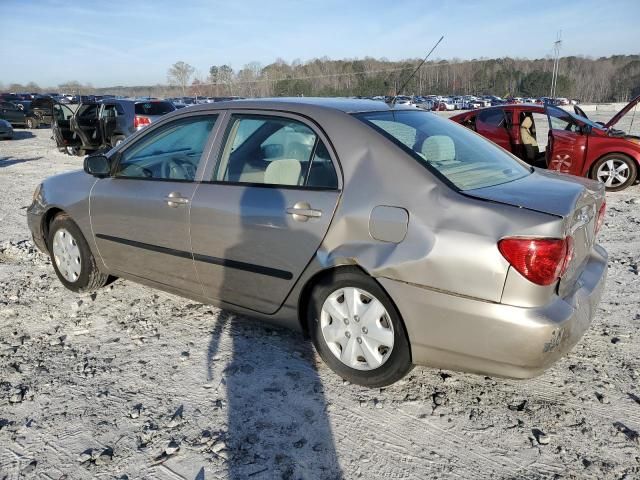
47, 218
305, 294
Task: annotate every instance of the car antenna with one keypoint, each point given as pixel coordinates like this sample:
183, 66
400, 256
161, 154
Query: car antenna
399, 91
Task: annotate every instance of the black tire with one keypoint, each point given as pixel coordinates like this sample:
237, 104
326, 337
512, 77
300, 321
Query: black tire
632, 165
90, 277
116, 140
397, 365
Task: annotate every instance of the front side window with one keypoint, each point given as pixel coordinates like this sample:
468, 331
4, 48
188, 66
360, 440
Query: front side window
171, 152
562, 120
463, 158
275, 151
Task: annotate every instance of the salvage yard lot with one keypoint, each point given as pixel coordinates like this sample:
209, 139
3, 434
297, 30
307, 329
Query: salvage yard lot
131, 382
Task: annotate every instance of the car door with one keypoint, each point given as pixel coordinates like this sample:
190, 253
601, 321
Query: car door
85, 123
107, 116
139, 215
61, 126
268, 202
492, 123
567, 145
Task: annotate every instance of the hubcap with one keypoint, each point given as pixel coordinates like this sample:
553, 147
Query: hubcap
67, 255
357, 328
613, 173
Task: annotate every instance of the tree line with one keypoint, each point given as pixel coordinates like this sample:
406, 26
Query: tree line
605, 79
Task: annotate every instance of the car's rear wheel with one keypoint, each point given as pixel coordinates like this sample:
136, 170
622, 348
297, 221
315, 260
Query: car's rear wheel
616, 171
32, 123
72, 259
357, 330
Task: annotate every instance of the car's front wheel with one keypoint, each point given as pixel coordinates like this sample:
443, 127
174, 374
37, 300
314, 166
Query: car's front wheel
357, 330
616, 171
72, 259
32, 123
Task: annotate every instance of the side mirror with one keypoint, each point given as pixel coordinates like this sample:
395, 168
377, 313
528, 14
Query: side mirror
97, 165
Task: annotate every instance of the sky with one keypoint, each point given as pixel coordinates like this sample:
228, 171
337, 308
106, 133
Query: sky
134, 42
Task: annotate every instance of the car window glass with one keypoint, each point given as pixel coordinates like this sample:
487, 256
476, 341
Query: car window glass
266, 150
463, 158
561, 120
493, 117
153, 108
322, 173
171, 152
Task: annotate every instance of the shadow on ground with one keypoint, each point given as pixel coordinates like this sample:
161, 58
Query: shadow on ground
8, 161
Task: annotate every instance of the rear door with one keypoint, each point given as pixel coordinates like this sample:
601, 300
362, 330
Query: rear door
266, 206
139, 215
567, 146
493, 124
85, 123
60, 125
107, 116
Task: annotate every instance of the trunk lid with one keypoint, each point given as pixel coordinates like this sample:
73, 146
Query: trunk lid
616, 118
575, 200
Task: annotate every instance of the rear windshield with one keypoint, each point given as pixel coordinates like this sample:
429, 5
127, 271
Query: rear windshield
154, 108
459, 155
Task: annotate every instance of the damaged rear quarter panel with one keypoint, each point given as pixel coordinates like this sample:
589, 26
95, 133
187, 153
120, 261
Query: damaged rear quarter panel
451, 240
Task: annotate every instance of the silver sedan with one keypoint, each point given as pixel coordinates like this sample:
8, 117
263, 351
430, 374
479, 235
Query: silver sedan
390, 236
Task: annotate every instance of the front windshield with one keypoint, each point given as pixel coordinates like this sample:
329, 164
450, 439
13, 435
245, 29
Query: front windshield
462, 157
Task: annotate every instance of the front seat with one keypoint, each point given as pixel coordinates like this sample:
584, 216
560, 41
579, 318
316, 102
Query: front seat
529, 142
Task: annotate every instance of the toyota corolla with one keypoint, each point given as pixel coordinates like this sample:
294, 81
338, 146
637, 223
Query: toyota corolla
390, 236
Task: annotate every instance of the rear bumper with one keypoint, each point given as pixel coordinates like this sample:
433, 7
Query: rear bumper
465, 334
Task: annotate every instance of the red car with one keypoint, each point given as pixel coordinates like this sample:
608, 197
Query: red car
576, 145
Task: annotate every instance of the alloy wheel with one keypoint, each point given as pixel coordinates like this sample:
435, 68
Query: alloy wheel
67, 255
357, 328
613, 172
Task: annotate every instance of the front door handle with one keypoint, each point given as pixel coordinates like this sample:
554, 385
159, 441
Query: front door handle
302, 212
175, 199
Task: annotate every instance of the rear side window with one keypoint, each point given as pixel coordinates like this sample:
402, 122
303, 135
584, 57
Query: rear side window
494, 117
463, 158
154, 108
274, 151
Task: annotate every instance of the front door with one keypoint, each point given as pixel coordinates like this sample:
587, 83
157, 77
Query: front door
493, 124
262, 216
107, 116
139, 215
567, 145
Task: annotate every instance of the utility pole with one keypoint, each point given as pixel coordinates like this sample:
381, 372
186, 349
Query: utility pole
556, 64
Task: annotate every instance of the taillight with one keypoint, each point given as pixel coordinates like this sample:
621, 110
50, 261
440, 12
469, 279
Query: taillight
140, 121
540, 260
600, 219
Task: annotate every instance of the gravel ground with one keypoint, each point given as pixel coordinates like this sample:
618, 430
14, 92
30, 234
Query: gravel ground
130, 382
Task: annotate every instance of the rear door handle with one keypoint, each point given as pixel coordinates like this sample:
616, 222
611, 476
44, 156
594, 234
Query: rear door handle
175, 199
302, 212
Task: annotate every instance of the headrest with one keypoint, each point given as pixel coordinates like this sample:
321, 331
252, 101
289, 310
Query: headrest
285, 171
439, 148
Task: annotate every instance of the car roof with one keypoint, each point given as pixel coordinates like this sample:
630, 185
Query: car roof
304, 105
